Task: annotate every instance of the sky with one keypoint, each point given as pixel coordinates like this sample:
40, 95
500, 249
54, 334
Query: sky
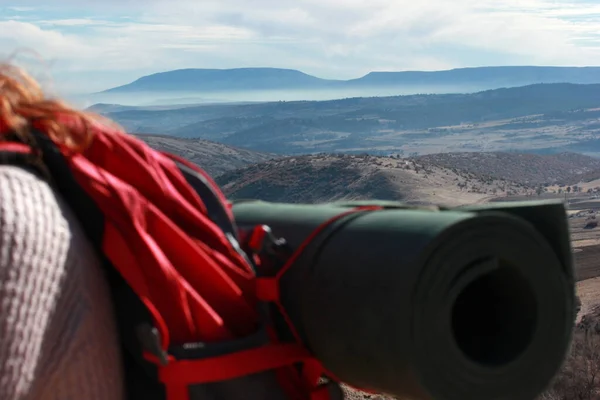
87, 45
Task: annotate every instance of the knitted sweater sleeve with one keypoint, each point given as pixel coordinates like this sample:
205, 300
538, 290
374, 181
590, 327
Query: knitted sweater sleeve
57, 334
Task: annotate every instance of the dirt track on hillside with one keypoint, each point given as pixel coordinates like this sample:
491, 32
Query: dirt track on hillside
587, 262
586, 243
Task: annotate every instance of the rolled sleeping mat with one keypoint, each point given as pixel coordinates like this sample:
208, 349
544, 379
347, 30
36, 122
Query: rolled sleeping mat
459, 304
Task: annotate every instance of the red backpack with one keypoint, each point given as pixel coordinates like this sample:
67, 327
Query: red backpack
193, 310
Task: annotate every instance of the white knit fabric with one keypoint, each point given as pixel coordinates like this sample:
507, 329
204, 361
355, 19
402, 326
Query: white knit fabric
57, 335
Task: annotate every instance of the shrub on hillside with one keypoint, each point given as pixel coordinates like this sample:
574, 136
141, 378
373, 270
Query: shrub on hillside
579, 378
591, 224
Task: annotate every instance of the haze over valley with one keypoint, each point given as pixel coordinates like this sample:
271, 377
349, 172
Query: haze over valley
543, 118
195, 86
423, 148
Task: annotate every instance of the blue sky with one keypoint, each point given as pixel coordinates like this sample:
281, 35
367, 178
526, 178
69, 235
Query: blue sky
87, 45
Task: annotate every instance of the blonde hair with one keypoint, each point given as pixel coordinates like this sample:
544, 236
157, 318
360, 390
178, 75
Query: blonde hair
23, 103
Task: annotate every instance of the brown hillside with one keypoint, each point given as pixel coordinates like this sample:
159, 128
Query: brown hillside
213, 157
530, 169
320, 178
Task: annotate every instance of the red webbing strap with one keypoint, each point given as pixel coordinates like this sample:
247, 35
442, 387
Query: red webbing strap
233, 365
179, 374
12, 147
267, 289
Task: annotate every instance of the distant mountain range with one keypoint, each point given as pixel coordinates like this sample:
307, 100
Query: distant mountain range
256, 79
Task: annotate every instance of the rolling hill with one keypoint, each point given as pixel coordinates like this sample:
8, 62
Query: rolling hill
528, 169
321, 178
214, 158
447, 178
248, 79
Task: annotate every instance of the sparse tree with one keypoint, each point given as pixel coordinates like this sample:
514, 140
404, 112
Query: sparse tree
539, 190
568, 189
579, 377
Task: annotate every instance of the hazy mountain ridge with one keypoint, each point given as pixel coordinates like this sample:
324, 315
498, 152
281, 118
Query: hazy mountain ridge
192, 79
497, 75
542, 117
214, 80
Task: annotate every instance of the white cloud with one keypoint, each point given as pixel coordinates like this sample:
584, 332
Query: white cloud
16, 35
21, 9
330, 38
71, 22
537, 30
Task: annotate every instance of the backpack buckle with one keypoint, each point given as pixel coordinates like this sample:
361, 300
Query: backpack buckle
262, 239
150, 340
273, 252
200, 350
